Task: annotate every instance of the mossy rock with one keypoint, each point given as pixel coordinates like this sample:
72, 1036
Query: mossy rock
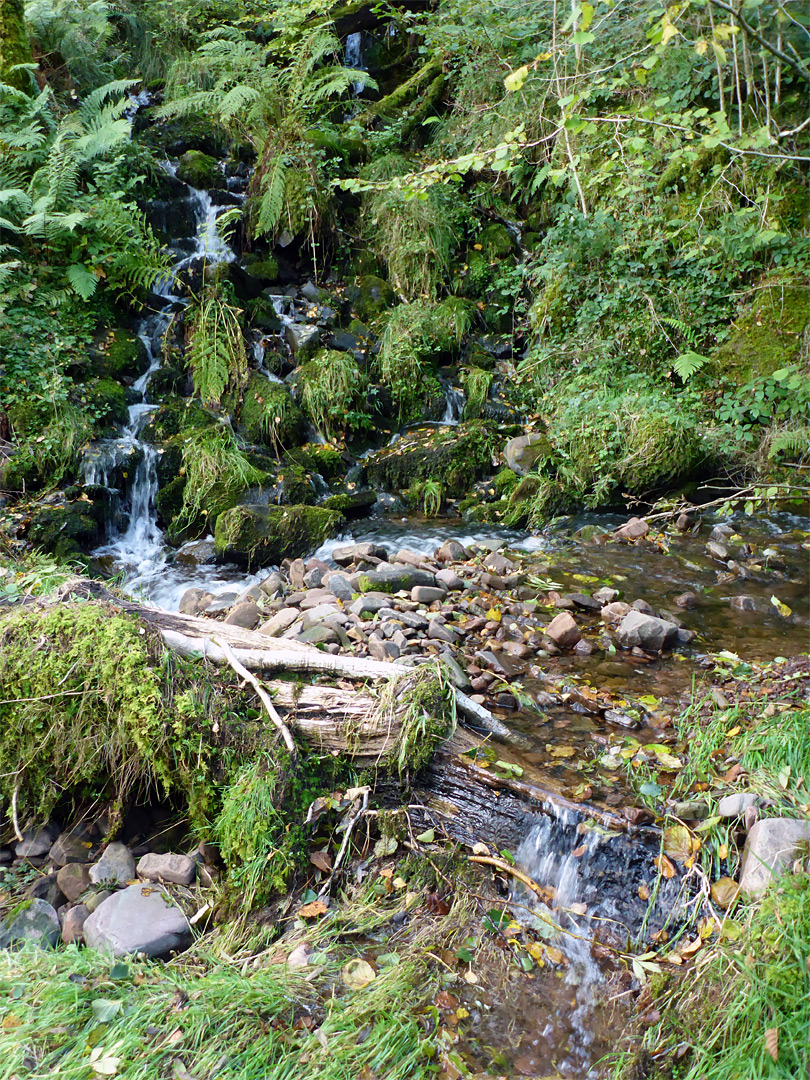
166, 381
200, 170
496, 242
370, 296
263, 315
455, 456
294, 486
67, 530
351, 502
269, 414
255, 535
265, 269
119, 355
177, 136
476, 355
169, 501
769, 335
318, 458
107, 399
175, 416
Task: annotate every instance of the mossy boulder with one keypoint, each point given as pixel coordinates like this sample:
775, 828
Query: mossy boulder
263, 315
269, 415
107, 401
370, 296
255, 535
200, 170
183, 133
769, 335
67, 530
119, 354
318, 458
175, 416
264, 270
351, 502
454, 456
495, 242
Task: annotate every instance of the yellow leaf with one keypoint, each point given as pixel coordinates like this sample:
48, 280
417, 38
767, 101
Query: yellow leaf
312, 910
734, 731
357, 974
678, 843
666, 868
725, 892
563, 752
722, 851
785, 612
494, 615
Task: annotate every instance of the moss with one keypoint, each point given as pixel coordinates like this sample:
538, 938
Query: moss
268, 414
333, 393
370, 296
119, 354
15, 48
263, 315
453, 456
256, 535
348, 502
180, 134
68, 530
107, 400
265, 269
495, 242
424, 704
200, 170
770, 334
318, 458
294, 486
176, 416
505, 481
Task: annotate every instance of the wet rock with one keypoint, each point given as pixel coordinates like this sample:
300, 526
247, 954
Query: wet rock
770, 848
720, 532
449, 579
563, 630
687, 601
303, 339
684, 523
735, 805
221, 603
178, 869
638, 630
37, 921
140, 919
272, 585
644, 608
391, 579
451, 551
498, 564
427, 594
458, 677
116, 865
246, 615
524, 452
614, 611
190, 601
493, 581
634, 529
313, 579
257, 535
320, 635
717, 550
73, 924
74, 880
690, 810
605, 595
281, 621
70, 847
353, 553
585, 603
36, 842
196, 552
518, 649
743, 603
584, 648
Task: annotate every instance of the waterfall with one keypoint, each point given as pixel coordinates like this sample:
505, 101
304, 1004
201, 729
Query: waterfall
454, 403
353, 57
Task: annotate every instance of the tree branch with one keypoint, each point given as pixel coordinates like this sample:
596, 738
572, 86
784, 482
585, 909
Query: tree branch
794, 65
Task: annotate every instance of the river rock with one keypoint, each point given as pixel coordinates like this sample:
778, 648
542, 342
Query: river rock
646, 632
427, 594
139, 919
584, 602
73, 924
70, 847
303, 339
257, 535
36, 921
522, 453
451, 551
246, 615
686, 600
352, 553
605, 595
720, 532
743, 603
36, 842
339, 586
272, 585
73, 880
449, 579
115, 865
391, 579
46, 887
735, 805
281, 621
634, 529
441, 632
770, 848
322, 613
717, 550
321, 634
614, 611
498, 564
178, 869
220, 604
563, 630
191, 599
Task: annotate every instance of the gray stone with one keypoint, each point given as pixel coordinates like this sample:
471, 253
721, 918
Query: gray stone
73, 924
735, 805
449, 579
427, 594
115, 865
370, 604
770, 848
352, 553
70, 847
302, 338
522, 453
686, 600
441, 632
451, 551
498, 564
73, 880
634, 529
584, 602
281, 621
94, 900
246, 615
139, 919
253, 594
391, 579
614, 611
414, 620
296, 570
646, 632
717, 550
46, 887
322, 613
743, 603
313, 579
320, 634
339, 585
36, 921
412, 558
563, 630
644, 608
36, 842
272, 585
178, 869
605, 595
458, 677
313, 597
720, 532
223, 602
190, 601
382, 650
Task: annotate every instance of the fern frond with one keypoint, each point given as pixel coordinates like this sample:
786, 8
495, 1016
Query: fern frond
118, 88
684, 329
688, 363
793, 443
82, 281
271, 204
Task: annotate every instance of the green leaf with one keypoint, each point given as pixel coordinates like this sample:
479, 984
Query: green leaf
105, 1010
582, 37
427, 837
119, 972
688, 363
464, 955
515, 80
82, 281
587, 16
651, 789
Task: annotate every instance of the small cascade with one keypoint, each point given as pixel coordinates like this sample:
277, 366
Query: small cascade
354, 58
454, 402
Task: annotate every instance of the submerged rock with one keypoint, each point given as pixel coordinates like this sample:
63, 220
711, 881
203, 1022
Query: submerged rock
140, 919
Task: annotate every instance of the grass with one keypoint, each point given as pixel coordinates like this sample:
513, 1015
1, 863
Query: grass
477, 384
331, 384
216, 472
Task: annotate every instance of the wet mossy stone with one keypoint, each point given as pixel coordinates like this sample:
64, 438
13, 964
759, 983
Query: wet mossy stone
496, 242
351, 502
370, 296
264, 269
67, 530
255, 535
183, 133
318, 458
475, 355
175, 417
200, 170
769, 335
454, 456
166, 381
268, 414
119, 354
108, 401
169, 501
294, 486
263, 315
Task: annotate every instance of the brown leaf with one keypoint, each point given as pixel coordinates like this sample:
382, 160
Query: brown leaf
666, 868
446, 1000
678, 842
772, 1042
724, 892
313, 909
732, 774
321, 859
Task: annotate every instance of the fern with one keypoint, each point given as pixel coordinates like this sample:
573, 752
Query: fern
793, 443
82, 281
271, 204
684, 329
688, 363
216, 348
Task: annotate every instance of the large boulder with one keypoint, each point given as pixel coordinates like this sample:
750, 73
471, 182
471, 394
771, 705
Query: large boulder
35, 921
140, 919
119, 354
453, 456
770, 848
370, 296
269, 414
256, 535
646, 632
523, 453
200, 170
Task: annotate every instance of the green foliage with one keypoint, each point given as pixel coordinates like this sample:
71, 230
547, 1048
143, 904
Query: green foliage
332, 393
217, 472
268, 413
76, 36
424, 705
216, 350
477, 384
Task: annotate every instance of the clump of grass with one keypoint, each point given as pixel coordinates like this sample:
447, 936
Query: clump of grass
331, 387
428, 495
424, 705
215, 349
477, 384
216, 472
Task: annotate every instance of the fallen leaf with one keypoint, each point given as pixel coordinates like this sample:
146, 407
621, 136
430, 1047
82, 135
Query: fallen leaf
725, 892
665, 867
643, 892
386, 845
103, 1063
785, 612
678, 842
313, 909
357, 974
322, 860
562, 751
480, 849
772, 1043
427, 837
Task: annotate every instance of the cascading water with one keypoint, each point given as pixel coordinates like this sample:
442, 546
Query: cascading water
454, 403
354, 59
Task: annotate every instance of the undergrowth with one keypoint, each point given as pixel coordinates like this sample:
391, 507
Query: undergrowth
332, 386
216, 472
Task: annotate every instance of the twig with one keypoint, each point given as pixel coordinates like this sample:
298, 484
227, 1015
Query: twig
263, 695
501, 864
15, 822
327, 885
